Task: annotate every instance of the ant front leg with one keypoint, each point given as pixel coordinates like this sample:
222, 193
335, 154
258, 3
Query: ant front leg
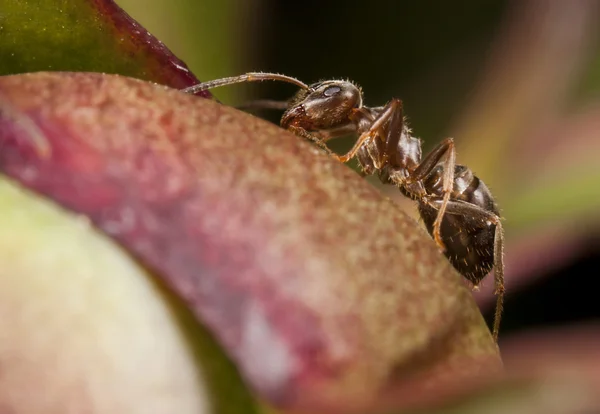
426, 166
337, 132
301, 132
375, 129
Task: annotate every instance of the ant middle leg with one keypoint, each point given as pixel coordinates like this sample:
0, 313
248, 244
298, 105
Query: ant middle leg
444, 149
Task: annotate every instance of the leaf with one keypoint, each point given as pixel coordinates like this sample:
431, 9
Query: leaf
323, 292
84, 35
210, 36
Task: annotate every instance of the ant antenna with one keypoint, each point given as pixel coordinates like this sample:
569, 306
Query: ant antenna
248, 77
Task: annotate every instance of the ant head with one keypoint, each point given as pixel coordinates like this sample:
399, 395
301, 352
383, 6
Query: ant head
323, 105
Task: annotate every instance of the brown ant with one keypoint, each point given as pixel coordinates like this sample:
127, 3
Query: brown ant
457, 208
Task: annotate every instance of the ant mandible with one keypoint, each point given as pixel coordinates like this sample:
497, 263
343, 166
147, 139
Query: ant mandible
457, 208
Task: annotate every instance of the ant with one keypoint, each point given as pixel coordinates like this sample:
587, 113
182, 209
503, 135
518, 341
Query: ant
456, 207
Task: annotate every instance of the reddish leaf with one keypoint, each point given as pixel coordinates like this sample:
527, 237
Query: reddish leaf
326, 295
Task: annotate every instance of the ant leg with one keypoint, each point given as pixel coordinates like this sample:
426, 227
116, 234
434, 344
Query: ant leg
395, 129
498, 276
431, 160
327, 134
359, 143
463, 208
247, 77
301, 132
374, 129
366, 163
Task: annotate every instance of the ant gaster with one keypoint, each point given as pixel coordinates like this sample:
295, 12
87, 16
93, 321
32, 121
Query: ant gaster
457, 208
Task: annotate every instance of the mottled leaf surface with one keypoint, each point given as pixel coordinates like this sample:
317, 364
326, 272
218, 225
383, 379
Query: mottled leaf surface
324, 293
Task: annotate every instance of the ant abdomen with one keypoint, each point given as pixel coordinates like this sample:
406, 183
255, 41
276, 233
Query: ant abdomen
469, 238
469, 244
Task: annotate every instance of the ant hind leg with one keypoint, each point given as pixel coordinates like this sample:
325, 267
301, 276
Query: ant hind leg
444, 149
462, 208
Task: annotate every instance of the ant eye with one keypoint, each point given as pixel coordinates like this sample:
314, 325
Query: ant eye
332, 90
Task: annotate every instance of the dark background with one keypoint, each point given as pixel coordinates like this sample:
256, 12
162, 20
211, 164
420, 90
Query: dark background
431, 54
376, 47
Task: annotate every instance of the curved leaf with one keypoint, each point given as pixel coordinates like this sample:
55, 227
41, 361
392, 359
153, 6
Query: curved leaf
84, 35
324, 293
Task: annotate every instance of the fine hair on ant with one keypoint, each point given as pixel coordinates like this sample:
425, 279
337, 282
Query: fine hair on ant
456, 207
